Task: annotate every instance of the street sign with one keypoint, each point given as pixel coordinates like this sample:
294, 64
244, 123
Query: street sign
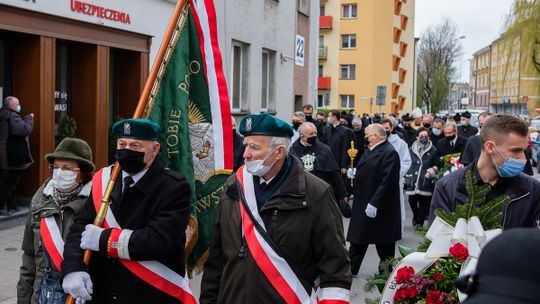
381, 95
299, 53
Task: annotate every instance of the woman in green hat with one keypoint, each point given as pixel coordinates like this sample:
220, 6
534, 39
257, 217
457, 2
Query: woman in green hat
53, 209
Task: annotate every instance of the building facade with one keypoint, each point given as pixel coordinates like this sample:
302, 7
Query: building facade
86, 59
366, 48
480, 78
266, 46
514, 85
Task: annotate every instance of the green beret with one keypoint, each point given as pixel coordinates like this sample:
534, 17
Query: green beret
264, 124
73, 149
139, 128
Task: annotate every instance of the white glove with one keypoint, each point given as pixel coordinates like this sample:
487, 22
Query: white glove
79, 285
371, 211
90, 237
351, 172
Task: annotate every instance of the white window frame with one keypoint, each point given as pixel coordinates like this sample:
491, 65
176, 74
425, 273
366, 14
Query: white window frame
351, 71
265, 99
349, 101
240, 77
349, 38
348, 7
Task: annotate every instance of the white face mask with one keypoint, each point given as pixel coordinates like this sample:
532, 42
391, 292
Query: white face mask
257, 167
64, 180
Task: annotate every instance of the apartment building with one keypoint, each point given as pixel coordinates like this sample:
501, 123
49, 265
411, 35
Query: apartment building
480, 78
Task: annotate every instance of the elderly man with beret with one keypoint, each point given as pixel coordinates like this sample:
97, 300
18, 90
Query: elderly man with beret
278, 229
138, 256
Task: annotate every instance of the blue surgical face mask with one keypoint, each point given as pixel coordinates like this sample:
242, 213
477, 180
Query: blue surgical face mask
436, 132
511, 166
18, 108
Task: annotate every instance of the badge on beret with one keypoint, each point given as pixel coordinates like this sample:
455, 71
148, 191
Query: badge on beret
127, 128
249, 120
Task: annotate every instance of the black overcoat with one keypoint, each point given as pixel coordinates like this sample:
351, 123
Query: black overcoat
377, 183
339, 140
444, 148
157, 209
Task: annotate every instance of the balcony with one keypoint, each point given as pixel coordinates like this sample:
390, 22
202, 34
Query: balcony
396, 60
401, 102
402, 74
395, 90
325, 22
397, 35
324, 82
323, 52
402, 49
404, 21
397, 7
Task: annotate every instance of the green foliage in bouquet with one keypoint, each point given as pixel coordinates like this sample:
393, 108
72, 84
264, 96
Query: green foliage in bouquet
447, 166
489, 213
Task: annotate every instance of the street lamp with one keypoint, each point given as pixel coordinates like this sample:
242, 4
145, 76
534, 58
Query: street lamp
459, 84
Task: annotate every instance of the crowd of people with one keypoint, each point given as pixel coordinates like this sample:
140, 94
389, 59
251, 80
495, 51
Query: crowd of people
278, 234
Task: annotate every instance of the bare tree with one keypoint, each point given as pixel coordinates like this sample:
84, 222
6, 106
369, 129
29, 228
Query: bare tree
438, 50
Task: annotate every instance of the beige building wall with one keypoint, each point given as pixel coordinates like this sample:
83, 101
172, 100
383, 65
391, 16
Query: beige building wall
373, 56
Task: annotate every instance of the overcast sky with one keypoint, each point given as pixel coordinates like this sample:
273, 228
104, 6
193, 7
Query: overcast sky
480, 21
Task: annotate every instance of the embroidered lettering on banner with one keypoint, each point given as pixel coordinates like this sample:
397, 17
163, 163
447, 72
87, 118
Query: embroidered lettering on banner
309, 162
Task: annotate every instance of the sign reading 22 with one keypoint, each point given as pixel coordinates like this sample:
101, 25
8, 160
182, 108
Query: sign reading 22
299, 55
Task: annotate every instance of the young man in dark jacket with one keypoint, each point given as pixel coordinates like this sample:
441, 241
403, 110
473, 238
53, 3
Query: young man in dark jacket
500, 165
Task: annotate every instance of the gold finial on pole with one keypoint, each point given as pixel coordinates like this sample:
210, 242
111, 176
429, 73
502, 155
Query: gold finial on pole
352, 152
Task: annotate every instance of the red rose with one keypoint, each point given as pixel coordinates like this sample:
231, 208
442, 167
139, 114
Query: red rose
404, 293
398, 295
433, 297
404, 274
437, 276
459, 252
411, 292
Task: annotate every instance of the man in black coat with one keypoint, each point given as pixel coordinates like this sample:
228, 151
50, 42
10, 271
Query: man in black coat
376, 215
502, 159
452, 143
238, 147
409, 133
151, 205
466, 130
318, 160
338, 138
308, 112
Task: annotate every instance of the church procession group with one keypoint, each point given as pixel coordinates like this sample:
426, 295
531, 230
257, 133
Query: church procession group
278, 235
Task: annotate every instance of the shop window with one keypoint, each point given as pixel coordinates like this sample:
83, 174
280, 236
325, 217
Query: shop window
62, 92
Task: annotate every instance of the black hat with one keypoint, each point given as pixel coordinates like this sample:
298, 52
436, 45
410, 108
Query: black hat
457, 117
507, 271
264, 124
140, 128
407, 117
73, 149
466, 114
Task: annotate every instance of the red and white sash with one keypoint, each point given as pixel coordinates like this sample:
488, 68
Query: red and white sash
275, 268
152, 272
52, 239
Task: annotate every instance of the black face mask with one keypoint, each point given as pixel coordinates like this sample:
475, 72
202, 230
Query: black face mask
450, 138
357, 130
131, 161
427, 126
312, 140
407, 127
296, 124
309, 118
388, 133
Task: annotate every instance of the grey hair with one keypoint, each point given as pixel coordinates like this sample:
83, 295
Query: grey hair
8, 101
451, 124
393, 121
305, 126
300, 115
356, 121
281, 141
430, 117
377, 129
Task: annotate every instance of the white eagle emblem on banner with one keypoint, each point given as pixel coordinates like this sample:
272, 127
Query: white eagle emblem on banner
309, 162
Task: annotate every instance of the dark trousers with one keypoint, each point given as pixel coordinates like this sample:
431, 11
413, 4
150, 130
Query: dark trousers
420, 207
358, 251
8, 186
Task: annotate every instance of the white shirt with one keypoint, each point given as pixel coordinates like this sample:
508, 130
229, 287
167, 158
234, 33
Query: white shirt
135, 177
373, 147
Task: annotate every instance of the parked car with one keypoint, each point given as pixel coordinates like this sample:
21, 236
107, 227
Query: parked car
535, 142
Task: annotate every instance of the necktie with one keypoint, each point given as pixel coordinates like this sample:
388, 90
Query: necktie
451, 144
128, 181
264, 186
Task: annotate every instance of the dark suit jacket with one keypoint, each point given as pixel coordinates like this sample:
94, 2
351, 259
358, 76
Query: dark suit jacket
444, 148
377, 183
339, 140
